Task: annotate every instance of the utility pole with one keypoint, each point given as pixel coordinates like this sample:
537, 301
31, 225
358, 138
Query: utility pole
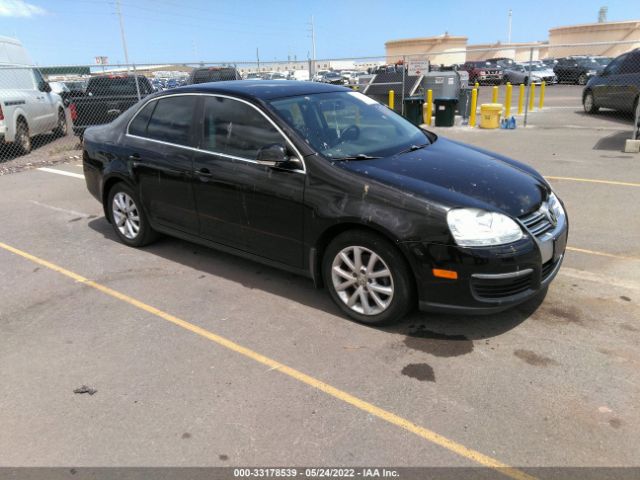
258, 58
313, 44
124, 38
509, 29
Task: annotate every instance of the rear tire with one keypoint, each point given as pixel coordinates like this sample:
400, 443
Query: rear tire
368, 278
22, 139
582, 79
589, 105
61, 129
128, 218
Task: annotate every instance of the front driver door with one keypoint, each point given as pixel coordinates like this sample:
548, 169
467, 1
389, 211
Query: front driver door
241, 203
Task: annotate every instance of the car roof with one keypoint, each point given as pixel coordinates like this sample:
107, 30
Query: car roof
261, 89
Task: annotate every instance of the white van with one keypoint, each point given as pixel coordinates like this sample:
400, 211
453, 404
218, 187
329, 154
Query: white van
28, 107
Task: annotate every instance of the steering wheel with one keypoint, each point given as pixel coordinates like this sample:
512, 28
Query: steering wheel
352, 132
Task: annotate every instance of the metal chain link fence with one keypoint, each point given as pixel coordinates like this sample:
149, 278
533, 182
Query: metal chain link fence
49, 107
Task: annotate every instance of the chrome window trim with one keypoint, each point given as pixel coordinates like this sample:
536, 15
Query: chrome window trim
219, 154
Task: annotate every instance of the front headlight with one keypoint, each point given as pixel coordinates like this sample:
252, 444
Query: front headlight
555, 206
472, 227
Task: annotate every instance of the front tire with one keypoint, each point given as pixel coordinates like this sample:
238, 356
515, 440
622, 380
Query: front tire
368, 278
589, 104
128, 218
582, 79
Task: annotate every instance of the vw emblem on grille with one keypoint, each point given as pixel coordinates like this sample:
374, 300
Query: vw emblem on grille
550, 214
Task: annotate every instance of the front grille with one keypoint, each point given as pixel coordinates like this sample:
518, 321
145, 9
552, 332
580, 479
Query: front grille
538, 222
493, 289
547, 268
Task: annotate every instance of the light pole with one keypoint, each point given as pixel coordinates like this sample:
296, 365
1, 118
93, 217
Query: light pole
124, 38
509, 29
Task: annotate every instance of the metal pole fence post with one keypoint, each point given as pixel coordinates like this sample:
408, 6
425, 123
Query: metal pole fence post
135, 78
404, 64
526, 105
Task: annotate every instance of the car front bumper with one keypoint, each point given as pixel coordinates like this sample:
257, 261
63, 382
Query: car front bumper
490, 279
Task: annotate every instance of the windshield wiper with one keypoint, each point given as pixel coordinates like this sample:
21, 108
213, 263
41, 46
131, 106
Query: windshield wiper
413, 148
360, 156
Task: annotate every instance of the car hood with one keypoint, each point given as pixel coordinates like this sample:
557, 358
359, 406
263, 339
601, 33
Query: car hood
458, 175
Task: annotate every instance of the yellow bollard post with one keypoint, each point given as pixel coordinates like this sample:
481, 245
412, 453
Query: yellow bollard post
391, 99
507, 100
474, 106
494, 95
476, 85
521, 100
532, 98
428, 107
543, 86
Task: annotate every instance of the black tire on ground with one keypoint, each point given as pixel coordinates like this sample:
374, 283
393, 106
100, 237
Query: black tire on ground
582, 79
589, 104
22, 139
402, 299
61, 129
139, 237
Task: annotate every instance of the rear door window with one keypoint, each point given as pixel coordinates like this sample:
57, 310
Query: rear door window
234, 128
171, 119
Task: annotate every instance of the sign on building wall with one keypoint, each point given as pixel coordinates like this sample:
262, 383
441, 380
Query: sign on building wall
102, 60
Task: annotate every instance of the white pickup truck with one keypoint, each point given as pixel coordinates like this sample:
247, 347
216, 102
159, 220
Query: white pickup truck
28, 107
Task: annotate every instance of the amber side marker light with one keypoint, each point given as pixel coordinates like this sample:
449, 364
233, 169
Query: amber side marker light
450, 274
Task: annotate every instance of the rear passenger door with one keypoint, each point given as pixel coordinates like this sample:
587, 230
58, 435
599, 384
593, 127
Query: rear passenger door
159, 147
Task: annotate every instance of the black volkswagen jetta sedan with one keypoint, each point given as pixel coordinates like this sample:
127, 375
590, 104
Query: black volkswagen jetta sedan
325, 182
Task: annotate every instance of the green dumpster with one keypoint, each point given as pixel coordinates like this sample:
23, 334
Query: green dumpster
445, 111
413, 109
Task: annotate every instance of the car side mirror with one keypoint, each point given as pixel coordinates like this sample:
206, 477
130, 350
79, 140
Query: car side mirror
272, 155
44, 87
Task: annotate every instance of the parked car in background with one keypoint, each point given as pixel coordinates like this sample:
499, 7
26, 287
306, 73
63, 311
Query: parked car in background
483, 72
106, 98
253, 76
616, 87
28, 107
274, 76
317, 77
604, 61
213, 74
576, 69
519, 73
301, 75
327, 183
334, 78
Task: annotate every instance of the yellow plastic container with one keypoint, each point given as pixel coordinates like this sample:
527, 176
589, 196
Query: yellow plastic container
490, 115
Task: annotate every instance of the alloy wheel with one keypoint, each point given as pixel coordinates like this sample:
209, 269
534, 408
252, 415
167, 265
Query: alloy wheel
126, 216
362, 280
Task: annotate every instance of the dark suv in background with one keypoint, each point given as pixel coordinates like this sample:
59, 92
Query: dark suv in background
213, 74
617, 86
577, 69
484, 72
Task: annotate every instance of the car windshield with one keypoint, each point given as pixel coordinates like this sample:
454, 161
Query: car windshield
348, 124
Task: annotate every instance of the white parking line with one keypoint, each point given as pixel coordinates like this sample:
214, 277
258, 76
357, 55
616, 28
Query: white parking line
61, 172
63, 210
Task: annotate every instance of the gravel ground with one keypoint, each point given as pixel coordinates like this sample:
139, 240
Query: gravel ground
47, 150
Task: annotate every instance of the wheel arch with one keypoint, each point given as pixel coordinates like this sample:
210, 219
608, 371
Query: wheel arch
324, 239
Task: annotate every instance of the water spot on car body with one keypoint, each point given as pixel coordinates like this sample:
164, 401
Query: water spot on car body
438, 344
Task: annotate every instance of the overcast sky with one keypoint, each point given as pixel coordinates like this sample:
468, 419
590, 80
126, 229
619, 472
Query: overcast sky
75, 31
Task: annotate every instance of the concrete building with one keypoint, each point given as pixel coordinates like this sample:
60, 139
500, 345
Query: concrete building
442, 49
520, 52
628, 31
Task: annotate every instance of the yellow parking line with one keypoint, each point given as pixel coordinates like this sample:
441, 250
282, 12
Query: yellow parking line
602, 254
362, 405
593, 180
